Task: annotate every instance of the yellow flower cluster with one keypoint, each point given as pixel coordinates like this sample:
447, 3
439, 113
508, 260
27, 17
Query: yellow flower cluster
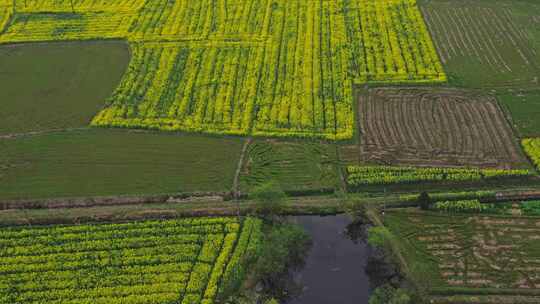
259, 67
532, 148
387, 175
6, 11
77, 6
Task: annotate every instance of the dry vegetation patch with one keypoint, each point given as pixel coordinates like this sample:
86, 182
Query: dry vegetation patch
480, 258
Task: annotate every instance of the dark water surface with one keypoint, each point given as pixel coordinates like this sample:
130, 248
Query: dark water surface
335, 266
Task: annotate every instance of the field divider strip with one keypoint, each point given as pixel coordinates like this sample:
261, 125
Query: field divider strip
236, 190
44, 132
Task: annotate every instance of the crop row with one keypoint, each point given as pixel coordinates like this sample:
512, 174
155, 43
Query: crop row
532, 148
384, 175
196, 225
146, 262
77, 6
6, 11
462, 206
269, 68
201, 20
58, 27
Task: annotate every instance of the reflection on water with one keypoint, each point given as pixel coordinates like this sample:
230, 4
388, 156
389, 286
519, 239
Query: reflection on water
334, 270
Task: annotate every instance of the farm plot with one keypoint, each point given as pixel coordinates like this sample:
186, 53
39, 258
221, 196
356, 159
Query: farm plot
114, 162
298, 167
487, 43
60, 85
470, 255
186, 261
270, 68
436, 128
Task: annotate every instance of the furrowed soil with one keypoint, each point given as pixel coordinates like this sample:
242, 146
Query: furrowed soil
471, 254
433, 127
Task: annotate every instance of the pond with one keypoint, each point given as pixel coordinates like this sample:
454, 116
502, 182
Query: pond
335, 267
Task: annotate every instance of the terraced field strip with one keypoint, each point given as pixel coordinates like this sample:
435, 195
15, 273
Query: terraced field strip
184, 261
492, 37
472, 254
268, 68
435, 127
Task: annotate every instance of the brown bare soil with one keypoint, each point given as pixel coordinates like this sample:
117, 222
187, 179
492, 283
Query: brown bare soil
433, 127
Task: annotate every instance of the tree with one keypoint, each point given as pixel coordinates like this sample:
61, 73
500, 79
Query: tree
270, 198
283, 251
424, 200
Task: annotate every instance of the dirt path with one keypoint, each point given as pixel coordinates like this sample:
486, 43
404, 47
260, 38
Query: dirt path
236, 186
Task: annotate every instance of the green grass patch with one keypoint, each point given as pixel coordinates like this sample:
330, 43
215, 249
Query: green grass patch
295, 166
114, 162
525, 110
57, 85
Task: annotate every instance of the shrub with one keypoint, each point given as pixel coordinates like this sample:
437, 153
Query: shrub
531, 207
387, 294
379, 237
424, 200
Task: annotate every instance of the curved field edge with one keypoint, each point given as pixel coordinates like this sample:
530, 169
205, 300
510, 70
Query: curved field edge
203, 261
